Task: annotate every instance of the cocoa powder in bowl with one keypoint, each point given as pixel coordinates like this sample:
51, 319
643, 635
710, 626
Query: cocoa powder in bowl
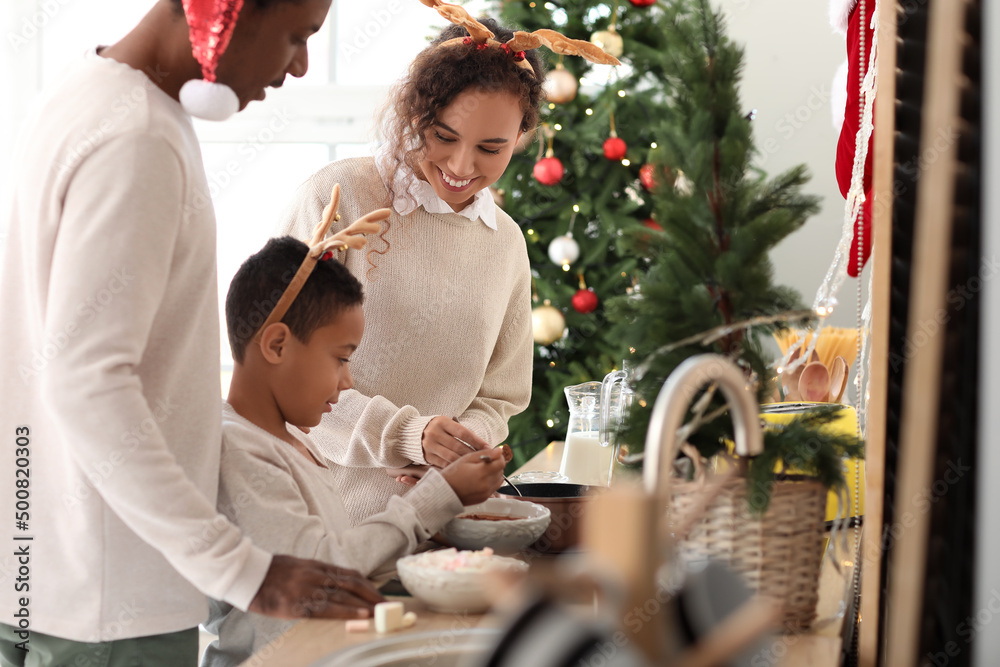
566, 502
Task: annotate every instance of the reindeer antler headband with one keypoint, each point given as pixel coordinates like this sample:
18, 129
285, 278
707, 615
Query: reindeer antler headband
321, 249
521, 41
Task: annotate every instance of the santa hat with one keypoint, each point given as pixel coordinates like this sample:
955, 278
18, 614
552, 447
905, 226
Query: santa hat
210, 25
840, 10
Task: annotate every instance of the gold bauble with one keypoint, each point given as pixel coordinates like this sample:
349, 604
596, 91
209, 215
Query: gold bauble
547, 324
610, 41
560, 86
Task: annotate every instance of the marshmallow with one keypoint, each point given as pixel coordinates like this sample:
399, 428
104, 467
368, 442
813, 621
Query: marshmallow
358, 625
388, 616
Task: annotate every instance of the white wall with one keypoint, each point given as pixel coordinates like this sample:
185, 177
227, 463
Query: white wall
792, 54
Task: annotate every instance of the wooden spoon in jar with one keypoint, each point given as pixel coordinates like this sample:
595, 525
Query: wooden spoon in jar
814, 383
790, 379
838, 379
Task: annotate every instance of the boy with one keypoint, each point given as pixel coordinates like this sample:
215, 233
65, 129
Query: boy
109, 377
273, 482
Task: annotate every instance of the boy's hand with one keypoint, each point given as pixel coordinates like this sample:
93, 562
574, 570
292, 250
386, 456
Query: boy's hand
439, 441
475, 476
301, 588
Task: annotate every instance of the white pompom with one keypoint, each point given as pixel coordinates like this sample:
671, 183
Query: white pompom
208, 100
563, 250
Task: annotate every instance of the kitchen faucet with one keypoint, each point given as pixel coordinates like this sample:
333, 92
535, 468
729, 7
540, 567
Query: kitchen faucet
671, 406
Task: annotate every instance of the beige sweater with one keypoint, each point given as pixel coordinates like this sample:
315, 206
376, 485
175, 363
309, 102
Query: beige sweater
110, 362
447, 332
288, 504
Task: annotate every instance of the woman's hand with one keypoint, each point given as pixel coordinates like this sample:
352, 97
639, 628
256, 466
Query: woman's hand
440, 441
475, 476
409, 475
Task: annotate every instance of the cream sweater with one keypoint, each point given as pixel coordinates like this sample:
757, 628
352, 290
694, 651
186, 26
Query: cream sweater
447, 332
288, 504
110, 342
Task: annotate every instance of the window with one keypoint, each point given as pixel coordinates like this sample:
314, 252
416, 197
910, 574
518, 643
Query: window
256, 160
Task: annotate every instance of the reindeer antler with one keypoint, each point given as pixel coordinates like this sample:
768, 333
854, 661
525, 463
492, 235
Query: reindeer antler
521, 40
350, 237
560, 43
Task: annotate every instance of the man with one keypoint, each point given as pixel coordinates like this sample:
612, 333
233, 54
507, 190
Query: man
110, 411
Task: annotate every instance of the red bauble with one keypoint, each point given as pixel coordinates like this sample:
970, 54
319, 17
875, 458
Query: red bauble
643, 3
585, 301
652, 224
614, 148
548, 171
646, 176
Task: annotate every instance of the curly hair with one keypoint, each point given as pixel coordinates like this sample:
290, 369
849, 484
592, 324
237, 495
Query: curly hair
438, 75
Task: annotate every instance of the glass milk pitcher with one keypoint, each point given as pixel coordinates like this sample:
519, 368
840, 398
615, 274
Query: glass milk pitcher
584, 460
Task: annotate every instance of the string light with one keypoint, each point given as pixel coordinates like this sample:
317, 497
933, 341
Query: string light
621, 93
557, 126
626, 162
565, 267
550, 423
551, 106
653, 145
576, 208
590, 112
531, 232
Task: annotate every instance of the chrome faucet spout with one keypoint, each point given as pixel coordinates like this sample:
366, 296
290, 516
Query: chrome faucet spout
671, 406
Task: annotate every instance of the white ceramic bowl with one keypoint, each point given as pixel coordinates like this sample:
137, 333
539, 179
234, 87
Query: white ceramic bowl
504, 536
453, 581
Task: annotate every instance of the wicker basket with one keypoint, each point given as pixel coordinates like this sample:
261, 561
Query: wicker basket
778, 554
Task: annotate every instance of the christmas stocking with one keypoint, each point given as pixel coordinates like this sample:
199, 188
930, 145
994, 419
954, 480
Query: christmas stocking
846, 17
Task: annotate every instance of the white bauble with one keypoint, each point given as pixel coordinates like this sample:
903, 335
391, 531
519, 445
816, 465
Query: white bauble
563, 250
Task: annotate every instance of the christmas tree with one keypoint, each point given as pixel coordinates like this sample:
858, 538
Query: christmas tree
709, 285
582, 177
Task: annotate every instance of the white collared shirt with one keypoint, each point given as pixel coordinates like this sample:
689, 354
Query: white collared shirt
411, 192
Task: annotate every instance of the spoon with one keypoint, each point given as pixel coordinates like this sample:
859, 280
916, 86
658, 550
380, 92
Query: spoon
814, 382
484, 457
838, 379
790, 380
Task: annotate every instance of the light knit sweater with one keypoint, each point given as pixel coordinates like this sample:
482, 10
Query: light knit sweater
288, 504
447, 332
111, 354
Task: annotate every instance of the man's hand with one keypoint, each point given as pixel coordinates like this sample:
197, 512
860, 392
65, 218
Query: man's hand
439, 441
301, 588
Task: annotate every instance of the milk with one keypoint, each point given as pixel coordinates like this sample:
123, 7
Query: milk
584, 461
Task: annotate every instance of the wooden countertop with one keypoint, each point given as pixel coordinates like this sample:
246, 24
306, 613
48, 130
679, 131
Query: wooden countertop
310, 640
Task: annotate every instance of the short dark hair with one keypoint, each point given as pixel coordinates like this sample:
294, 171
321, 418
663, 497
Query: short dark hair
261, 281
